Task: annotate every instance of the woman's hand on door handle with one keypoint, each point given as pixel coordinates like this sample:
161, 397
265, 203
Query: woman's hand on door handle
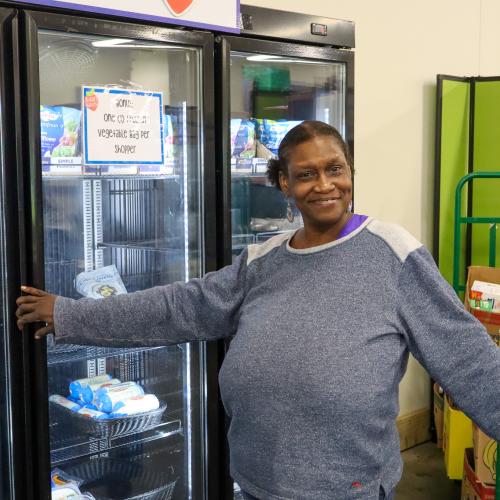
36, 306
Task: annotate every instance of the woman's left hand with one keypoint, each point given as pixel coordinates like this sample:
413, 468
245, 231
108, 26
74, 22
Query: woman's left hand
36, 306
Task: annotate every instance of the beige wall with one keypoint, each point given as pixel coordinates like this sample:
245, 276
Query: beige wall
400, 47
489, 45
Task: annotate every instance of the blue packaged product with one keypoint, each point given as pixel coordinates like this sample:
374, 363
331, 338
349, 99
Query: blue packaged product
59, 131
96, 415
88, 391
77, 386
243, 143
273, 131
107, 398
64, 402
136, 404
51, 129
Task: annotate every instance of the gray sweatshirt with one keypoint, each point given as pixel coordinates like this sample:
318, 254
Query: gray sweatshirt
321, 342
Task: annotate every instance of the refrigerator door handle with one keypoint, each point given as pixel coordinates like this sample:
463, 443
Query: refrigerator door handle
31, 254
223, 148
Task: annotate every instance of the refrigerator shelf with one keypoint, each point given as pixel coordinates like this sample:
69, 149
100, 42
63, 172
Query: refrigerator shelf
74, 167
243, 240
109, 479
245, 175
64, 353
266, 235
65, 450
146, 245
98, 176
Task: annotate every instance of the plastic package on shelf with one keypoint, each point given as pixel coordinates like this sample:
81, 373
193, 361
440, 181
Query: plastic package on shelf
135, 405
108, 479
100, 283
108, 397
59, 130
67, 487
64, 402
78, 387
69, 492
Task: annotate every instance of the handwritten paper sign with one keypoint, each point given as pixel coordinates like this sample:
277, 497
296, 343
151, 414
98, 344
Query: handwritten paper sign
122, 126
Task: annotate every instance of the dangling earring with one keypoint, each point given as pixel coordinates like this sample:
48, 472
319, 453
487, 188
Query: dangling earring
349, 208
289, 212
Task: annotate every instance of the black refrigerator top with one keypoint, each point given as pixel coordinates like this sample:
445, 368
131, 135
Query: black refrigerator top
293, 26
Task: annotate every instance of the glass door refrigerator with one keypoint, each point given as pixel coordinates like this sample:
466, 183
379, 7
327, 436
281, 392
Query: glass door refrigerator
283, 68
142, 223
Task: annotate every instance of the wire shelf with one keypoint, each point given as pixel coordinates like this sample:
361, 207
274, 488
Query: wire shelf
65, 450
65, 353
134, 223
145, 246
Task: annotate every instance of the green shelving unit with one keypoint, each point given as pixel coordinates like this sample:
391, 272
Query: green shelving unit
460, 221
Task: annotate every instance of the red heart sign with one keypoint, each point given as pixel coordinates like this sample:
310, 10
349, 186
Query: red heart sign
178, 7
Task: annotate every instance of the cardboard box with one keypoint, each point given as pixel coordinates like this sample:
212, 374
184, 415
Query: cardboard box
490, 320
485, 456
472, 488
438, 415
457, 436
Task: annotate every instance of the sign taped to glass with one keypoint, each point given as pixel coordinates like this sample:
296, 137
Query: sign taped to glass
122, 126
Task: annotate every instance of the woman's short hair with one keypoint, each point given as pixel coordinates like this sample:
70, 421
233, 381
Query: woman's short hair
303, 132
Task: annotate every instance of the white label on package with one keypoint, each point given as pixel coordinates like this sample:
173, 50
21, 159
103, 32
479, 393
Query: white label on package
122, 126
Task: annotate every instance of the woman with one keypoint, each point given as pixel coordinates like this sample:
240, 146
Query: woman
323, 319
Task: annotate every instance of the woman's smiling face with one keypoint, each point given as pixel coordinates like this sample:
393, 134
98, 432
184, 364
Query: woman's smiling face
319, 180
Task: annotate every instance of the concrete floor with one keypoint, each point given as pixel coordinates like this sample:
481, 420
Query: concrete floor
424, 476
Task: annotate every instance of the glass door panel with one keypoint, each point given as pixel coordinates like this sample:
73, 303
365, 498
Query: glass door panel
142, 224
270, 94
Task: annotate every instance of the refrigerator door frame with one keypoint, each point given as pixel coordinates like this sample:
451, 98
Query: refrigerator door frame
16, 432
264, 22
224, 46
32, 242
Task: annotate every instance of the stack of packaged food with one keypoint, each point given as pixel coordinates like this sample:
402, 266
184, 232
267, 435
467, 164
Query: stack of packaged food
105, 397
